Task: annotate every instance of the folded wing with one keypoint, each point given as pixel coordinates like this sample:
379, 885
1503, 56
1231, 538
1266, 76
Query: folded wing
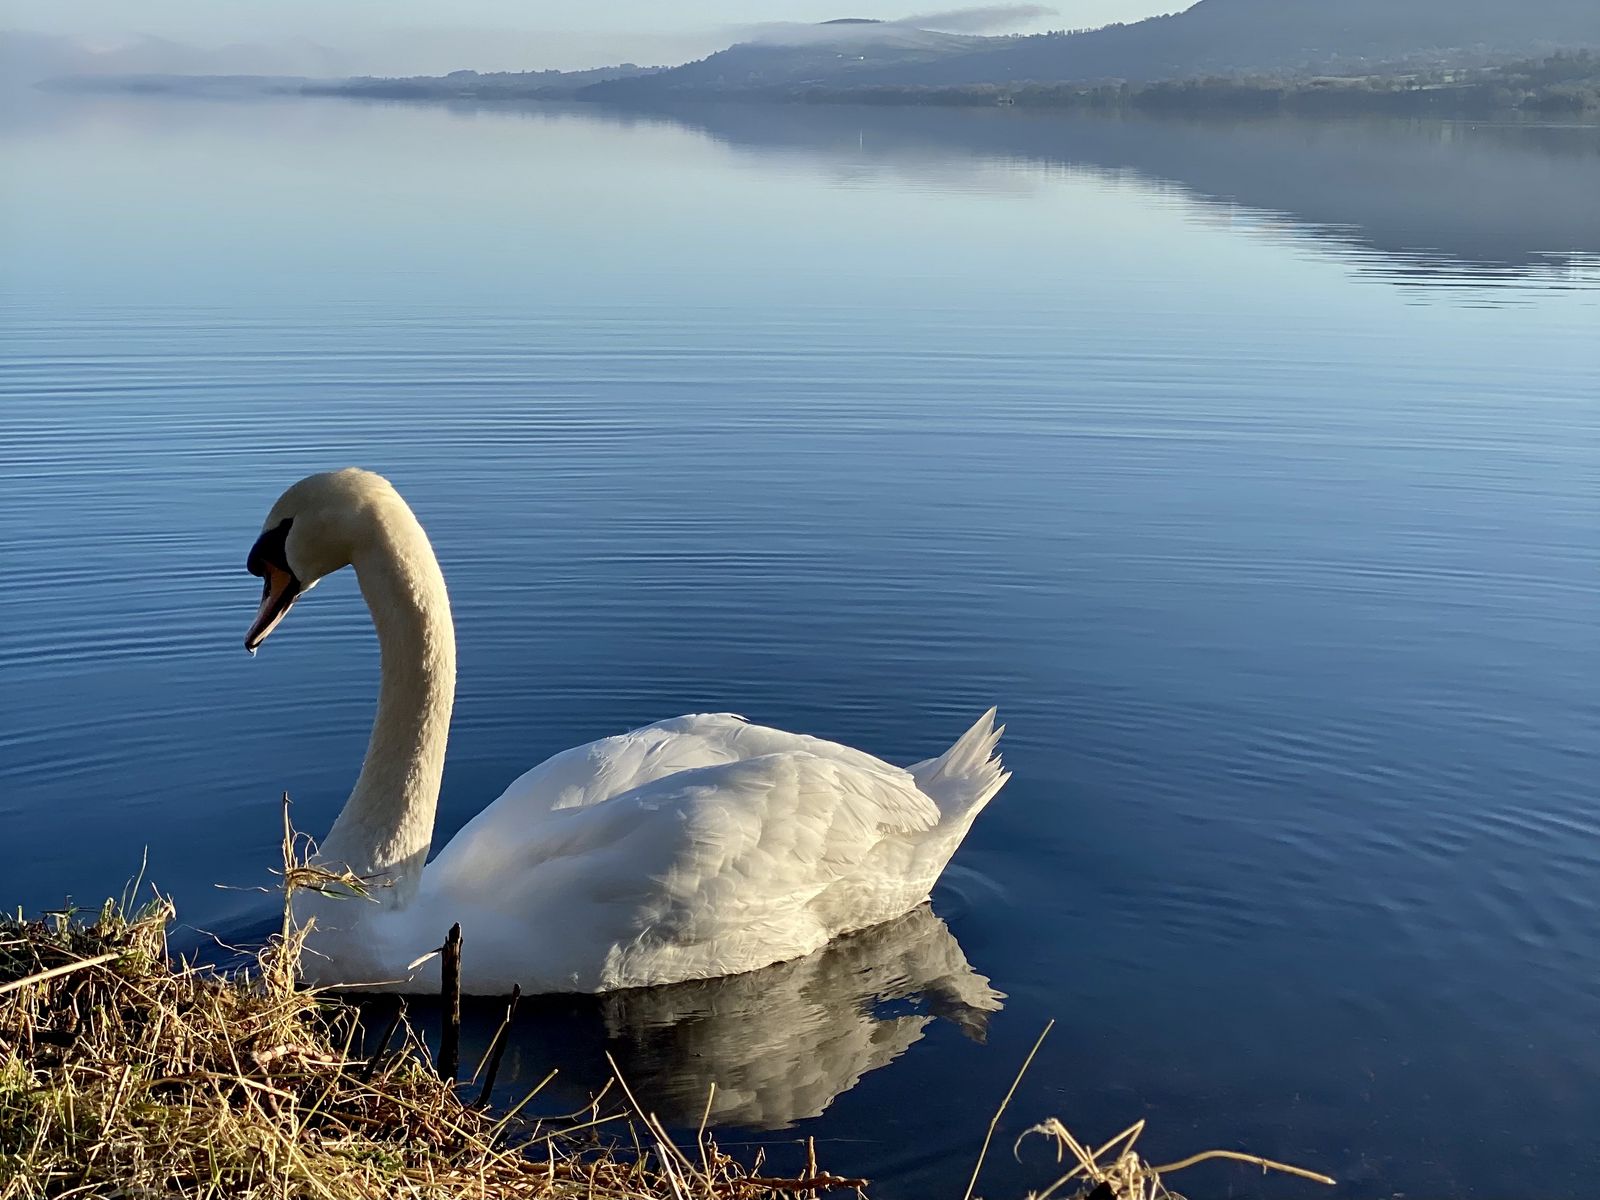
706, 870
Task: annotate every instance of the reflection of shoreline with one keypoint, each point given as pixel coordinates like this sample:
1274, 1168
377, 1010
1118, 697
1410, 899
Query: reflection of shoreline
1413, 203
1431, 202
779, 1044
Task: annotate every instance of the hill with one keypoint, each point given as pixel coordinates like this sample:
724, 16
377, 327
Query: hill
845, 52
1212, 37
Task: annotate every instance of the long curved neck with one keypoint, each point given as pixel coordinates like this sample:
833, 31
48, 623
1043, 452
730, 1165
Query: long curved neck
386, 826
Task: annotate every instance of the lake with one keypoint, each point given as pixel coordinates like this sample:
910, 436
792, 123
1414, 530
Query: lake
1252, 469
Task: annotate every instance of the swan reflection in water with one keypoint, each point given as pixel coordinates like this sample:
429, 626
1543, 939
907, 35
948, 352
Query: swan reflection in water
779, 1044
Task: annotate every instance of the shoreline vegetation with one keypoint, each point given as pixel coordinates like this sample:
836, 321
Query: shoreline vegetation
126, 1072
1563, 85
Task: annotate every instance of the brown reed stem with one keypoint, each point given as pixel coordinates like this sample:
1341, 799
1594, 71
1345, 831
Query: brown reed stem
994, 1121
497, 1047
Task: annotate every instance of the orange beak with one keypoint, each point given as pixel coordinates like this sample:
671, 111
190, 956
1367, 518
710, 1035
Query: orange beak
279, 591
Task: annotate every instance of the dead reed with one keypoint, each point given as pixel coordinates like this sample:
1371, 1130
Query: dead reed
1112, 1171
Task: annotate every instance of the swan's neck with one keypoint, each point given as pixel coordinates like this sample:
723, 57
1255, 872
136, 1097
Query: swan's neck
386, 826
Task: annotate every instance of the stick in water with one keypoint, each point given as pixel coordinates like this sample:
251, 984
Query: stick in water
450, 996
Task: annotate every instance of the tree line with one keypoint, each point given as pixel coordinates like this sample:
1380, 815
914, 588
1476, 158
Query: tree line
1563, 84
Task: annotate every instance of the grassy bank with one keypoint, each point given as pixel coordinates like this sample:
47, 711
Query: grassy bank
123, 1073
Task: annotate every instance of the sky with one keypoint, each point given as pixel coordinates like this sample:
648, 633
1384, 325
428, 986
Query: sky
406, 36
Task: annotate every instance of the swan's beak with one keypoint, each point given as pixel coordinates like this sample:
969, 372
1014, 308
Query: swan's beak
279, 590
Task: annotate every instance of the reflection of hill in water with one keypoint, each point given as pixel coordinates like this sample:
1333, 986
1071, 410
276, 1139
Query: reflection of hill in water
780, 1044
1433, 202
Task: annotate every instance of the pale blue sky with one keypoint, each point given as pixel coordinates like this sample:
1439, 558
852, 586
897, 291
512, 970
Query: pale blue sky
401, 35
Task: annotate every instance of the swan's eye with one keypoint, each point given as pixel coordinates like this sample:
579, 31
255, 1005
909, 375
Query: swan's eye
270, 550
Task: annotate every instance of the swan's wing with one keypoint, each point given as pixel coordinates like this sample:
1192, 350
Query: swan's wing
705, 871
733, 737
766, 833
598, 771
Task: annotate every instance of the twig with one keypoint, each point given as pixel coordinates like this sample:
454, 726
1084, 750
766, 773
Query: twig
520, 1105
383, 1043
57, 972
1240, 1156
700, 1133
813, 1182
1126, 1176
995, 1120
650, 1120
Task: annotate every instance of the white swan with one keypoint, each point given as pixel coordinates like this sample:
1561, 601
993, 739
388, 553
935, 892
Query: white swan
692, 848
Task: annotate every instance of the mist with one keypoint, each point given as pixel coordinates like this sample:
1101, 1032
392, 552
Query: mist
288, 38
986, 19
992, 18
27, 57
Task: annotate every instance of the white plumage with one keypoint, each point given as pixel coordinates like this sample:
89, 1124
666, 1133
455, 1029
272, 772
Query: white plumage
695, 847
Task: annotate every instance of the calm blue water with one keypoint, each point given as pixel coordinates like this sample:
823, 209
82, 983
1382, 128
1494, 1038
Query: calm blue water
1253, 470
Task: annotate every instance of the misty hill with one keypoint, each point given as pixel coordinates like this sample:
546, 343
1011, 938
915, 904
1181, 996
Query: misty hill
28, 57
475, 85
844, 52
1212, 37
458, 85
211, 87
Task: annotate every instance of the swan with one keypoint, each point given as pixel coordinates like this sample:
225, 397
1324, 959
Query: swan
696, 847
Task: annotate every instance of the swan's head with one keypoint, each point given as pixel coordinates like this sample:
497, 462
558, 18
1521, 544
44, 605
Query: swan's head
315, 528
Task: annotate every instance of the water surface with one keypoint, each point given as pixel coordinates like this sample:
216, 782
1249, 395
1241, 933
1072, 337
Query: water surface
1251, 469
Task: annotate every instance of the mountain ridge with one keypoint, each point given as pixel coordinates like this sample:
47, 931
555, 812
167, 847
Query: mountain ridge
1211, 37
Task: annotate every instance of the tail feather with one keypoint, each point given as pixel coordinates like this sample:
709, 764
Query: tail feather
965, 777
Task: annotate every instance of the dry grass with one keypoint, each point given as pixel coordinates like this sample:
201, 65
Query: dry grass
1114, 1172
125, 1074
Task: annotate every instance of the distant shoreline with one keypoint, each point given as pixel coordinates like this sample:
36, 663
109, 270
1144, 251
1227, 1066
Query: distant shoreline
1564, 85
1560, 85
1225, 97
